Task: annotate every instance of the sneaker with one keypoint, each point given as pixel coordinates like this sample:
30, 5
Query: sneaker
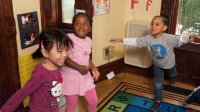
155, 106
172, 80
182, 103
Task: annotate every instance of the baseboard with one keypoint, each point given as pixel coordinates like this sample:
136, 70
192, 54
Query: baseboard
147, 72
116, 66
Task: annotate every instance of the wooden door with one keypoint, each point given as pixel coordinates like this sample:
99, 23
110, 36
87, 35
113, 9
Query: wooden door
9, 72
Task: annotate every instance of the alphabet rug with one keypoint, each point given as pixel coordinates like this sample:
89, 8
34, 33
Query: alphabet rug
133, 98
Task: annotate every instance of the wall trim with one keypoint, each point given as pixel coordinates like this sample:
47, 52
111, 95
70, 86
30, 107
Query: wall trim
116, 66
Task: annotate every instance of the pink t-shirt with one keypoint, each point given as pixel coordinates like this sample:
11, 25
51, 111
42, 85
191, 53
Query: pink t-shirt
73, 81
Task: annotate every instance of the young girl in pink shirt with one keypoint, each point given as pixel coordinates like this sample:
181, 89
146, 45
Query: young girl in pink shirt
77, 80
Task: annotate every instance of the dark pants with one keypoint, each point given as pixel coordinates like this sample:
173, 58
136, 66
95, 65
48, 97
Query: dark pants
194, 96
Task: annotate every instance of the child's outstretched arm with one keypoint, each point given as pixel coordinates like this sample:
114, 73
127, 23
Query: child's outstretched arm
125, 41
83, 69
191, 38
94, 70
115, 40
31, 86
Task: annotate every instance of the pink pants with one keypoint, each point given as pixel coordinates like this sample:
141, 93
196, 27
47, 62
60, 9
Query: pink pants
90, 97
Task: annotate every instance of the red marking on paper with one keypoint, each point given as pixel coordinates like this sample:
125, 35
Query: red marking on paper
133, 2
149, 2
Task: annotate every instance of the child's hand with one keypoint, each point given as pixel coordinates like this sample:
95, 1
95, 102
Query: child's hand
83, 69
115, 40
96, 74
197, 39
194, 38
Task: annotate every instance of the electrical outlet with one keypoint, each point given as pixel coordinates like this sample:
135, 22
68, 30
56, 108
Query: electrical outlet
108, 52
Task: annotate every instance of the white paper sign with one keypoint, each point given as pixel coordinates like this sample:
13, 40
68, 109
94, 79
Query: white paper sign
110, 75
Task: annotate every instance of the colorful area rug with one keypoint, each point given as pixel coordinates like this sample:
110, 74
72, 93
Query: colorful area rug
132, 98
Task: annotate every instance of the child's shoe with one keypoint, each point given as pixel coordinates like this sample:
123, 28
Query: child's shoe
182, 103
155, 106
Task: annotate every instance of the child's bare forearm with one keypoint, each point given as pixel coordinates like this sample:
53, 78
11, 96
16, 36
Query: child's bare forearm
115, 40
91, 65
83, 69
94, 70
70, 63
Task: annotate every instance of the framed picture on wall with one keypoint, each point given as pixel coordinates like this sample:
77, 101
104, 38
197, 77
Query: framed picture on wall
28, 28
101, 7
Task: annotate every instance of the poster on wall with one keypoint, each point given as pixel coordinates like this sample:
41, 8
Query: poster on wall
28, 29
101, 7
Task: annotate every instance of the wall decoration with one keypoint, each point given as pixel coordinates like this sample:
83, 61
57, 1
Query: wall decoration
28, 28
101, 7
133, 2
149, 2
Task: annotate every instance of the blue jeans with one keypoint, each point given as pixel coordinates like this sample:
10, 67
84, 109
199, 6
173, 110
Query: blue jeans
158, 80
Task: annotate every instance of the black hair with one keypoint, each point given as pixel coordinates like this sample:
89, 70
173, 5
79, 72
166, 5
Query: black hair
164, 19
50, 36
82, 14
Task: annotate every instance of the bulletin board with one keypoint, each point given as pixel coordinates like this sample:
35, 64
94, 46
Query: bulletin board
26, 66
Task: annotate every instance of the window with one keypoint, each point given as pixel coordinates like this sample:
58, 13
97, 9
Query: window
188, 21
67, 11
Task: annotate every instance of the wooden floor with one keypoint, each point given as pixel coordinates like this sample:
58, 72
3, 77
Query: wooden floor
105, 87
